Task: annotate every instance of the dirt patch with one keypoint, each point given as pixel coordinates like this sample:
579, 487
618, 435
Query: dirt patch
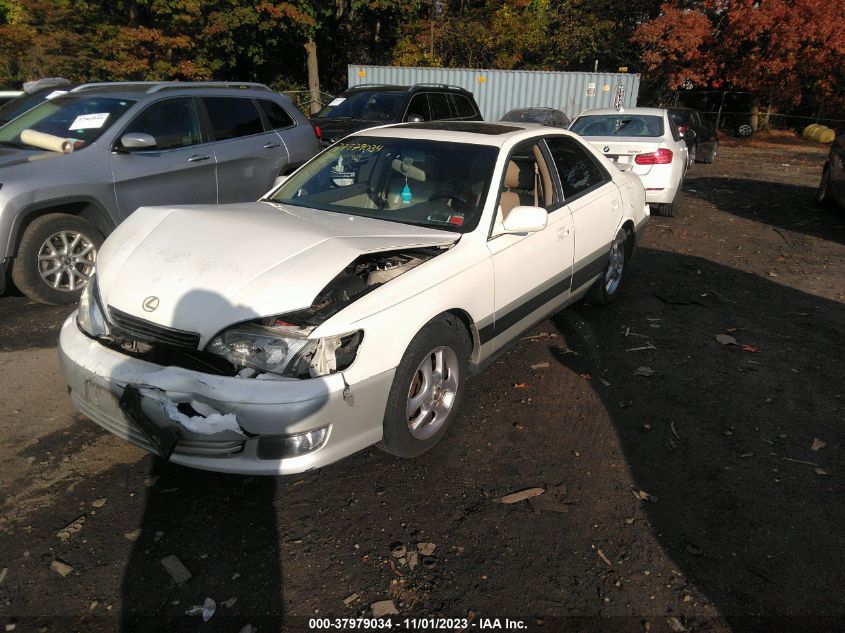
680, 484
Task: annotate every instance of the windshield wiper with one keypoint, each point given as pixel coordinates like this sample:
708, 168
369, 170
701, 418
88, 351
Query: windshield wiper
13, 144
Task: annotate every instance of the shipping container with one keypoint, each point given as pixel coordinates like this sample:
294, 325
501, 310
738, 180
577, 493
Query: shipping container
498, 91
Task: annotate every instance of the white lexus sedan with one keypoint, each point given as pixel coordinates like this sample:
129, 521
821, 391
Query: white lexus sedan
348, 306
645, 140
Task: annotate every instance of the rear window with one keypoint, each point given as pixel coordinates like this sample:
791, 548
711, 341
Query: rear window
619, 124
276, 114
232, 117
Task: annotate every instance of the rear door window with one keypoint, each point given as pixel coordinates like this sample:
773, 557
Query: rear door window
172, 123
276, 115
419, 107
233, 117
439, 105
577, 170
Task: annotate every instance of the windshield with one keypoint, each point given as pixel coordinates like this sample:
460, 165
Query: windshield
81, 120
429, 183
618, 125
366, 106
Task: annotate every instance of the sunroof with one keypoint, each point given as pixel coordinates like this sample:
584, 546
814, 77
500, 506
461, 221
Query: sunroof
474, 127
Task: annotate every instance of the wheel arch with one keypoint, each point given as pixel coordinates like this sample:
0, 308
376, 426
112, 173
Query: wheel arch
630, 231
82, 206
464, 320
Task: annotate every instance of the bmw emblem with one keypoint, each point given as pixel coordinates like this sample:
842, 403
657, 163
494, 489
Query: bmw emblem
605, 149
150, 304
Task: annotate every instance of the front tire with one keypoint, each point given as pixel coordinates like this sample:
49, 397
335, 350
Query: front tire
823, 196
607, 288
56, 257
693, 153
427, 388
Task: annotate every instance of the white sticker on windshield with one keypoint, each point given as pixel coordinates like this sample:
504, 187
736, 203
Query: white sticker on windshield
56, 93
338, 101
89, 121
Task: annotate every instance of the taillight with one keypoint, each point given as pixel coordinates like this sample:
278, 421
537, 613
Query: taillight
662, 156
318, 132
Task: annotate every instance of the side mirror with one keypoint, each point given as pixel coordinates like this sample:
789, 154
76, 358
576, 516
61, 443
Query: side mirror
690, 135
525, 220
414, 118
137, 140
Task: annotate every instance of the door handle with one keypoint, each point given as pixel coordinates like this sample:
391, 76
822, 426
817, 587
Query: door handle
271, 145
199, 157
563, 233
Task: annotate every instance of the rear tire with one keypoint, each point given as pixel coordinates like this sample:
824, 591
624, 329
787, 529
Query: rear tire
823, 195
427, 388
710, 157
607, 287
665, 210
693, 155
55, 258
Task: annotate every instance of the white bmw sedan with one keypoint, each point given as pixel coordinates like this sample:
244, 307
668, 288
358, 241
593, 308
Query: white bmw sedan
645, 140
348, 306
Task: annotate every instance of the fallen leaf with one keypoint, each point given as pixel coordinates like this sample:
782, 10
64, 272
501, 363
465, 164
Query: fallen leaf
643, 495
749, 348
522, 495
817, 444
520, 385
821, 471
426, 549
540, 366
726, 339
644, 371
604, 558
587, 375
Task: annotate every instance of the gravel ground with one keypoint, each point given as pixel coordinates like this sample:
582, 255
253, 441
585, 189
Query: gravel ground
686, 484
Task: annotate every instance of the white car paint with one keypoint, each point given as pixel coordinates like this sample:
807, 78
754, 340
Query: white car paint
211, 267
662, 182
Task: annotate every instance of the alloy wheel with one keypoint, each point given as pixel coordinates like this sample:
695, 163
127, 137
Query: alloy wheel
66, 260
432, 392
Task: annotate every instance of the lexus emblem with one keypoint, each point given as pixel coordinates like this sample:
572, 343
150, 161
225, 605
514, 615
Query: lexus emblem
150, 304
605, 149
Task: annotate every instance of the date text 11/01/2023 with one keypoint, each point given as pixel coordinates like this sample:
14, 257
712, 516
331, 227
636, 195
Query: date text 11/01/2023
415, 624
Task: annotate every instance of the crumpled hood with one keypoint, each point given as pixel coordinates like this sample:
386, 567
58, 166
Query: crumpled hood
11, 157
212, 266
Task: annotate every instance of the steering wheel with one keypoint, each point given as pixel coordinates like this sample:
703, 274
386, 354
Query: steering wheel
448, 194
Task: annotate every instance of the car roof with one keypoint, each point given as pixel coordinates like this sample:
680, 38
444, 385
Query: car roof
535, 109
137, 90
400, 88
645, 111
472, 132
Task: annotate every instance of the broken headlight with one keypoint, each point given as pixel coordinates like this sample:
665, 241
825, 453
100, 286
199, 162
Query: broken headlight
89, 314
285, 350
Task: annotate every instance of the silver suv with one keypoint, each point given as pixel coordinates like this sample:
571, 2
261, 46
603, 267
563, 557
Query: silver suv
75, 166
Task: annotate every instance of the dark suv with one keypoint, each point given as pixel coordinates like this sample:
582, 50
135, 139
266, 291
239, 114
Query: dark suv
369, 105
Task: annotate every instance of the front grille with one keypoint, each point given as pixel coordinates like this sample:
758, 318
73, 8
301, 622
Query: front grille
132, 328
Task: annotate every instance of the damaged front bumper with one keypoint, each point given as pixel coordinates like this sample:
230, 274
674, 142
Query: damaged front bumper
224, 424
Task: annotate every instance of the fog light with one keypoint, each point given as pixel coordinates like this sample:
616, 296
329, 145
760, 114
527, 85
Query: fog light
283, 446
